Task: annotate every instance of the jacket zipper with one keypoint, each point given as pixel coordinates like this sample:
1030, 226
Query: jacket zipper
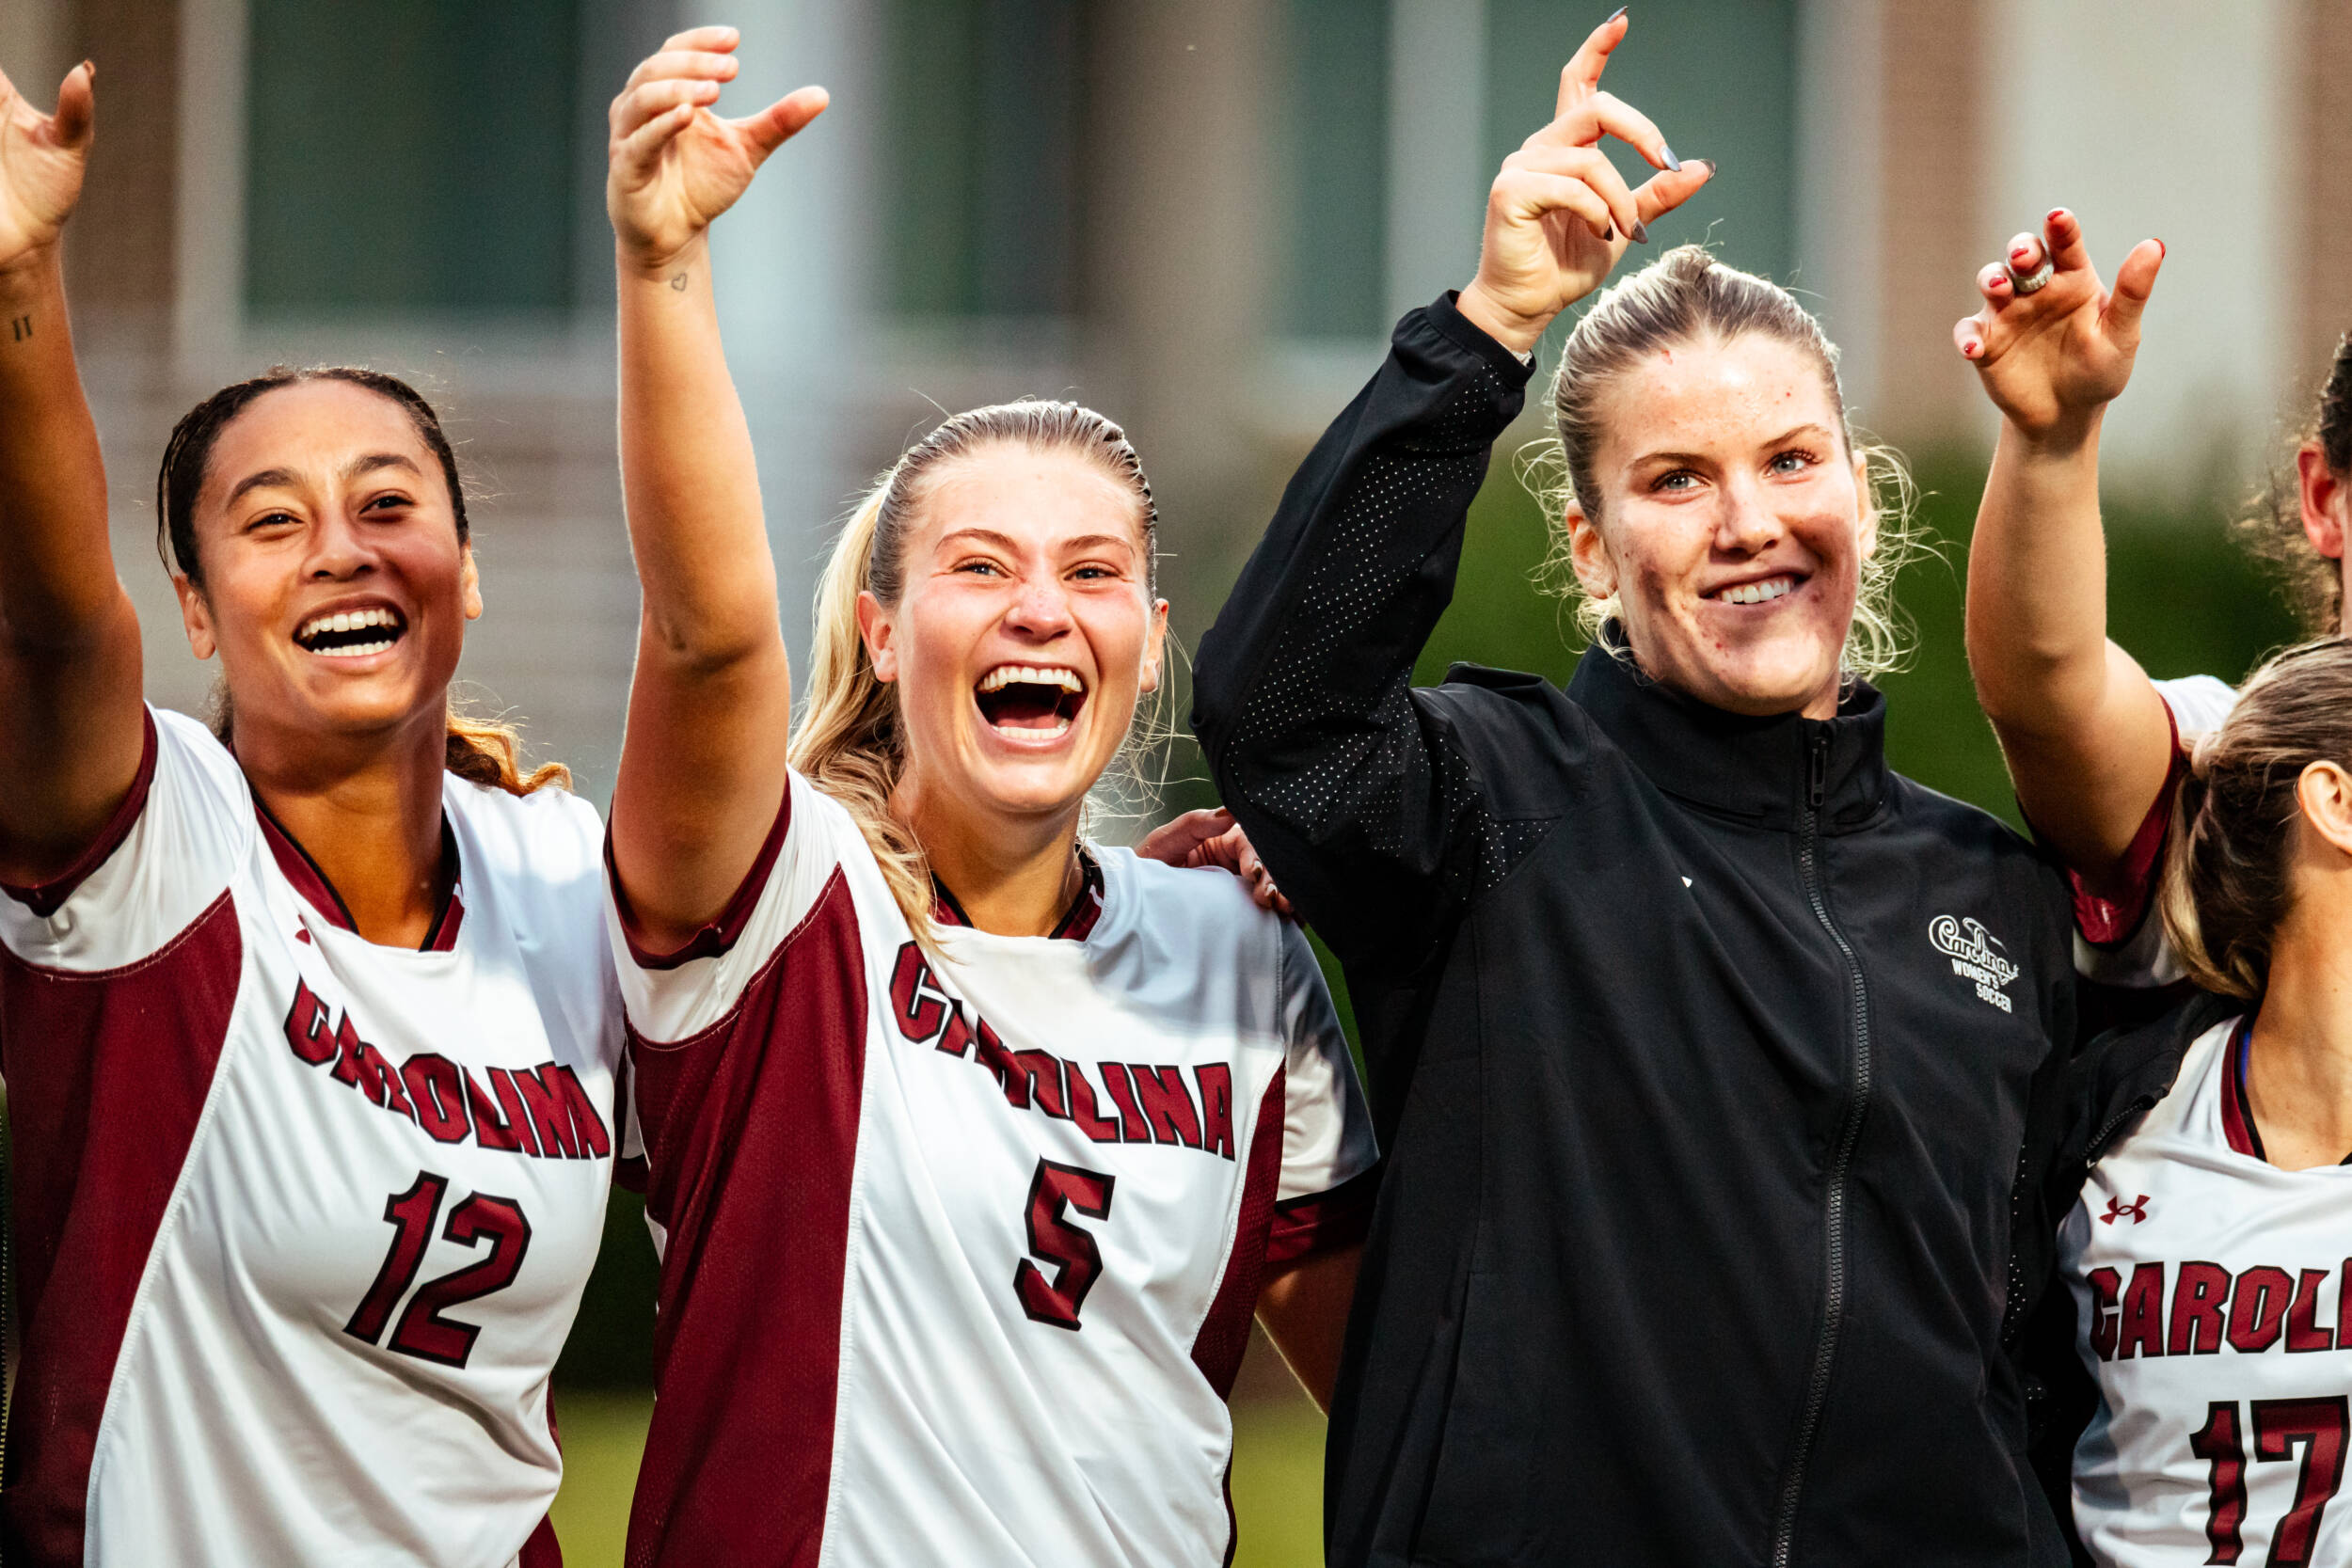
1841, 1160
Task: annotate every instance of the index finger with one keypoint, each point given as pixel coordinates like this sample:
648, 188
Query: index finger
1582, 74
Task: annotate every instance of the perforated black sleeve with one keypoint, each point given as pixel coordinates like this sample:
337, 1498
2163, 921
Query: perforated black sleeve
1351, 789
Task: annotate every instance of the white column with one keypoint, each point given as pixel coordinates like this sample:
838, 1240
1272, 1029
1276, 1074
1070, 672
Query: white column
790, 267
208, 305
1840, 258
1437, 173
2163, 118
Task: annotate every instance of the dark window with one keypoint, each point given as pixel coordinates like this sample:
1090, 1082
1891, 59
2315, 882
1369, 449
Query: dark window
410, 156
986, 103
1718, 77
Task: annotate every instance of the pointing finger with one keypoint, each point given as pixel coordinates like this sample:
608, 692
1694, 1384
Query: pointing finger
2135, 280
2067, 250
1582, 74
703, 38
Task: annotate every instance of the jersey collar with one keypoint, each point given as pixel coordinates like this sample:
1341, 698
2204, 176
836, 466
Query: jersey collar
1076, 924
2237, 1110
449, 911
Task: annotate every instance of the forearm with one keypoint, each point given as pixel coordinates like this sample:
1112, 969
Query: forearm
1304, 1310
2083, 730
58, 586
689, 476
2036, 606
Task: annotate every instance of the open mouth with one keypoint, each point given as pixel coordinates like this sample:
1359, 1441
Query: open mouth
1026, 702
352, 633
1762, 591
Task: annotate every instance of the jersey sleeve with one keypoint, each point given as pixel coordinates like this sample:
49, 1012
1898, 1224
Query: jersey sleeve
167, 855
675, 993
2119, 942
1330, 1167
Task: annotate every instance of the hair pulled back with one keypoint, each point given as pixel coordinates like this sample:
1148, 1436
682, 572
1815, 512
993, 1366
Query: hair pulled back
479, 751
848, 741
2225, 884
2271, 526
1688, 296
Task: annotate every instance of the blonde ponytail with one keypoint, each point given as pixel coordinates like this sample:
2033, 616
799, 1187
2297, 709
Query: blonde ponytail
848, 740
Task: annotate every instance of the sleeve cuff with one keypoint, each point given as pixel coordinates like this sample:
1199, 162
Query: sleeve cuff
717, 936
1323, 1222
1446, 316
46, 898
2106, 921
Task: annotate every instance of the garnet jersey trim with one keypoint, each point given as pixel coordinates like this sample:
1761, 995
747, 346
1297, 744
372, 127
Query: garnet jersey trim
47, 899
717, 937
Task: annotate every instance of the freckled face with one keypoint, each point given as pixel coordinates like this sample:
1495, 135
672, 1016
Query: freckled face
335, 589
1733, 523
1026, 632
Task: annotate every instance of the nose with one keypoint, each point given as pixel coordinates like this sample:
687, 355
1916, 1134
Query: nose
339, 548
1041, 610
1747, 525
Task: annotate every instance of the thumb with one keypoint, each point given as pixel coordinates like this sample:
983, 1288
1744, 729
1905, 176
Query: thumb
77, 106
780, 121
2135, 280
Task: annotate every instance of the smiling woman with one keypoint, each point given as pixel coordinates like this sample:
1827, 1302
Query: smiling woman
309, 1025
1701, 1137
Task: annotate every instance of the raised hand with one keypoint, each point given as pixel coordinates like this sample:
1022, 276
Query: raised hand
2051, 360
41, 160
674, 164
1558, 214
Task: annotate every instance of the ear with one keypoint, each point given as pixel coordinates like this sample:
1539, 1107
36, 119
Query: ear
196, 616
881, 637
2324, 496
1869, 511
2324, 794
469, 582
1588, 552
1155, 646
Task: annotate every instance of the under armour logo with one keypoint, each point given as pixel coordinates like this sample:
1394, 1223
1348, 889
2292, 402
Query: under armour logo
2117, 1209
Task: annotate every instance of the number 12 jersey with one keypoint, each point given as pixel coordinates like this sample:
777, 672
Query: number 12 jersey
962, 1249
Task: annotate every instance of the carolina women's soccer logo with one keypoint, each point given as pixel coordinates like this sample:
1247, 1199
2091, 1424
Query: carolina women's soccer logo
1976, 955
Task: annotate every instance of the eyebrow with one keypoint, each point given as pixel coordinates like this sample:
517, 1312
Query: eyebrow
275, 478
990, 536
1808, 428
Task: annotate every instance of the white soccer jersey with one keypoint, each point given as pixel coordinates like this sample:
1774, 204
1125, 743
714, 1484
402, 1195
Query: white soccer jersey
2214, 1304
301, 1221
960, 1254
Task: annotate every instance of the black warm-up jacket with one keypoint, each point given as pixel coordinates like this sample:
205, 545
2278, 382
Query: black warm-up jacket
1700, 1046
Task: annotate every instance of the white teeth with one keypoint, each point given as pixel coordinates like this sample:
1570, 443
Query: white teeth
1757, 592
1027, 675
352, 620
1061, 727
356, 650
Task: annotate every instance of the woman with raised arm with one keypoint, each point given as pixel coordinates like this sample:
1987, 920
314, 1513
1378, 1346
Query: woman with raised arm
2196, 1207
308, 1020
974, 1145
1700, 1043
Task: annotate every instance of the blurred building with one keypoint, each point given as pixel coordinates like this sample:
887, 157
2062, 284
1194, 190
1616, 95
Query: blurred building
1200, 215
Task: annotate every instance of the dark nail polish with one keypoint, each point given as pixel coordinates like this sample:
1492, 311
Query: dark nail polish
1640, 233
1710, 165
1674, 165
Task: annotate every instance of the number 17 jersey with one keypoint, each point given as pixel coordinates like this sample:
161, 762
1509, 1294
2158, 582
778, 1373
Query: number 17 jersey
962, 1249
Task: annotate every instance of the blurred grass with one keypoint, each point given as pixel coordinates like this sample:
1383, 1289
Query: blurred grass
1278, 1479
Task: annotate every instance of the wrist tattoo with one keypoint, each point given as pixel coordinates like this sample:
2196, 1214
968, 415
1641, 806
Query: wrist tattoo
678, 284
20, 329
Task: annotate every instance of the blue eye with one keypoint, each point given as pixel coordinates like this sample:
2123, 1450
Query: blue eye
1791, 462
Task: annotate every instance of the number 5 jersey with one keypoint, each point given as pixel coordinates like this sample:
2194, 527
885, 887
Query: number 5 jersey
962, 1249
301, 1221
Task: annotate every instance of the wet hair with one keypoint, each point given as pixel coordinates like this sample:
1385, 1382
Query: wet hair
480, 750
2270, 525
2227, 882
848, 741
1687, 297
